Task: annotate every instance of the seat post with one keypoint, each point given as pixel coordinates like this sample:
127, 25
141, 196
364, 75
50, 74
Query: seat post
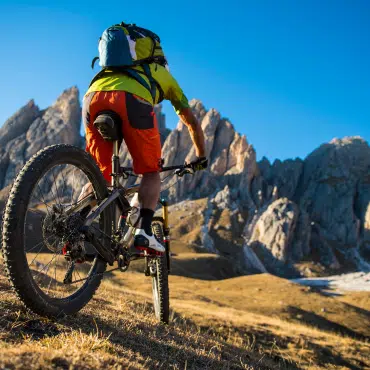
115, 163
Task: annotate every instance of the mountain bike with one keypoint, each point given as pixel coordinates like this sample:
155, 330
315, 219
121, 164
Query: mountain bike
56, 245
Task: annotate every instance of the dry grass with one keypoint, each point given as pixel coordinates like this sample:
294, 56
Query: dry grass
186, 219
116, 330
252, 322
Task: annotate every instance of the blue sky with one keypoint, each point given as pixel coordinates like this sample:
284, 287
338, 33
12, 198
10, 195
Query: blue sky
289, 74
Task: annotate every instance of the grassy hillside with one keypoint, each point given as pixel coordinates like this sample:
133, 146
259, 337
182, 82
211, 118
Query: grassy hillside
250, 322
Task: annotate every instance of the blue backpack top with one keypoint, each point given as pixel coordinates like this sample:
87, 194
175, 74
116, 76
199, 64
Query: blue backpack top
124, 46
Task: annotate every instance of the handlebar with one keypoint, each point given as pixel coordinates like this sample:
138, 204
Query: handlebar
179, 170
178, 167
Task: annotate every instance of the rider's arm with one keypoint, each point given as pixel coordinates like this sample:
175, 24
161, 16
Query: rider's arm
174, 93
195, 130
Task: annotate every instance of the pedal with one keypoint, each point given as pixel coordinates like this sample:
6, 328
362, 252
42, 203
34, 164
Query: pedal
123, 262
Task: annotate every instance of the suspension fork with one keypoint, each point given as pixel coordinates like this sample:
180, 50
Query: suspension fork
166, 231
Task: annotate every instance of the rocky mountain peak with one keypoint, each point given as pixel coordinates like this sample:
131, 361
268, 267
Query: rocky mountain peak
198, 108
31, 129
31, 103
161, 119
68, 94
231, 158
348, 140
68, 105
279, 213
18, 123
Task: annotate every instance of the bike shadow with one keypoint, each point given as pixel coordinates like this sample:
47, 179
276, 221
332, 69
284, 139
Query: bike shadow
180, 344
151, 345
138, 338
17, 323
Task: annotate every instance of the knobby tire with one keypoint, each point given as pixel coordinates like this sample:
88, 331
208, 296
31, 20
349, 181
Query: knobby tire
160, 280
13, 230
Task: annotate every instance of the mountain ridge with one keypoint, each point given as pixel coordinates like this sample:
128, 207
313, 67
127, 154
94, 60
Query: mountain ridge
270, 215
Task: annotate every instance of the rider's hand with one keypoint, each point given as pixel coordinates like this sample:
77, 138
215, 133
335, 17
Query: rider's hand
199, 164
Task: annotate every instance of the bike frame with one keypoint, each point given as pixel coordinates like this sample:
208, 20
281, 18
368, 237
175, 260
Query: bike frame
118, 196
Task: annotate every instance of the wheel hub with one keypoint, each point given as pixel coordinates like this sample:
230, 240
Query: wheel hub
61, 232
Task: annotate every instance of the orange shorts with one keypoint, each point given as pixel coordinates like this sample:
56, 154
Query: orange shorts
139, 129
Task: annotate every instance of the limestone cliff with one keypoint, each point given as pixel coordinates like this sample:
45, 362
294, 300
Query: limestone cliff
265, 216
31, 129
316, 208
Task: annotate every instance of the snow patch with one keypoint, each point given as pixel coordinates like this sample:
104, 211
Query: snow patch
356, 282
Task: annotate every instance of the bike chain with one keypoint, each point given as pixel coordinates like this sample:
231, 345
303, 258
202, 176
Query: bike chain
101, 273
107, 236
91, 277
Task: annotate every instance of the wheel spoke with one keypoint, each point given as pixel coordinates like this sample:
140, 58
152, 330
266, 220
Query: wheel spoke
78, 275
64, 181
43, 199
48, 264
56, 186
34, 210
51, 186
73, 186
55, 275
39, 249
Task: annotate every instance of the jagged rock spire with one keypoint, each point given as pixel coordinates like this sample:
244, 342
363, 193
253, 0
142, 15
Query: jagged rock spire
30, 130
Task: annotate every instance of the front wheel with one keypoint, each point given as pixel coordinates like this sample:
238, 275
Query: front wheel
160, 287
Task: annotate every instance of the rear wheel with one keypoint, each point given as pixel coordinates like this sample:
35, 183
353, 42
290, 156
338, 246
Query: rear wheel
160, 286
50, 266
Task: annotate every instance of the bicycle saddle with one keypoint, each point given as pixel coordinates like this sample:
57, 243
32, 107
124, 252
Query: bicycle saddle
109, 124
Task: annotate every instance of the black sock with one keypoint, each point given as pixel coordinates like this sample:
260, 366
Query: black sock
146, 215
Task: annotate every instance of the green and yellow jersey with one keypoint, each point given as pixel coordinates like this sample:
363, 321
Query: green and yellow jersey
113, 81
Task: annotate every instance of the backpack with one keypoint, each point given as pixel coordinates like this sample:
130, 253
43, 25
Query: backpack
124, 46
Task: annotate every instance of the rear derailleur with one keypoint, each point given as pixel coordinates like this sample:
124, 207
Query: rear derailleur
74, 254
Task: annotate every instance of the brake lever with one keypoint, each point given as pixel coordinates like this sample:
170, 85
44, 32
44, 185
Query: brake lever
183, 171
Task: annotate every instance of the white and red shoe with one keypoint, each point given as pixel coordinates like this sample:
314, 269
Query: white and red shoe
143, 240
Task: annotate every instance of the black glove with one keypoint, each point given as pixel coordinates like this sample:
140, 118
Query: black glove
199, 164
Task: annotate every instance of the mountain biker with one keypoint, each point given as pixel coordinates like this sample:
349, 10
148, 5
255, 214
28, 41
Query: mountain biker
114, 91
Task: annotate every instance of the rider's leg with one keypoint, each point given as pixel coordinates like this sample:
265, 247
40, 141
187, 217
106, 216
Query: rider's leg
100, 149
148, 196
141, 134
